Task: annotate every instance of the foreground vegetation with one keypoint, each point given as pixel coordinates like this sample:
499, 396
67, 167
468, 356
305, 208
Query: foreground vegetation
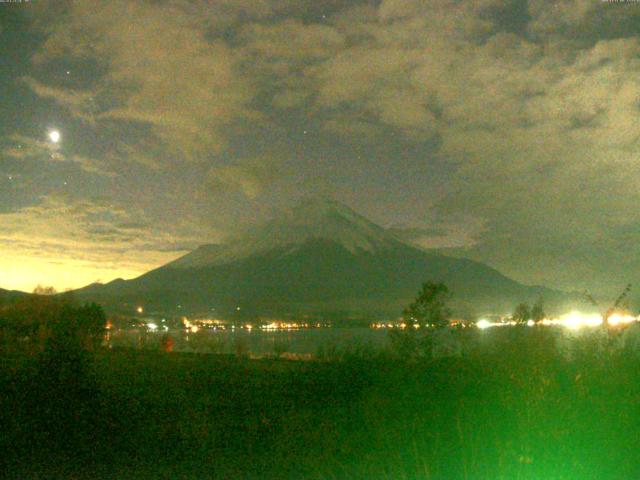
519, 409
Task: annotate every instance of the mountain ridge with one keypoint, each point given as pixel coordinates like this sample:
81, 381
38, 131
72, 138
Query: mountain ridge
12, 294
317, 258
310, 219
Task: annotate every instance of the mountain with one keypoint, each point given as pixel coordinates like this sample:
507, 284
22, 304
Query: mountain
310, 220
318, 258
8, 295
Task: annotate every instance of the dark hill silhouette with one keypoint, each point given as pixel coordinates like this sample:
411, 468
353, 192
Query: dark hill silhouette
8, 295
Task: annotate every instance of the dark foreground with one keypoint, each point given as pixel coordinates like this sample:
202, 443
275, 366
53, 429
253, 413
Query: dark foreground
521, 411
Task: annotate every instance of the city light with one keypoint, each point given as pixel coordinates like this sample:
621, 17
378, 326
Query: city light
619, 319
483, 323
575, 320
278, 325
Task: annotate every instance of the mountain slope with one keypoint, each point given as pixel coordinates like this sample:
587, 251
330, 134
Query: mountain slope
8, 295
311, 219
318, 258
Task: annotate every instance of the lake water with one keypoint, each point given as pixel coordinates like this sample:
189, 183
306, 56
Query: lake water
329, 341
257, 342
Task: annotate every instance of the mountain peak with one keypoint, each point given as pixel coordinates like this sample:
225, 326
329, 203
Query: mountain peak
326, 220
315, 208
310, 219
317, 213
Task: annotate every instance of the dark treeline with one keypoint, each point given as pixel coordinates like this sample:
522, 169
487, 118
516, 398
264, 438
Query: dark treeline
50, 322
51, 402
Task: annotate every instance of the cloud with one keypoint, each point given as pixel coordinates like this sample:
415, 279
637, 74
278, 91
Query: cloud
66, 224
156, 67
89, 238
23, 147
438, 237
291, 40
349, 126
80, 103
538, 124
250, 176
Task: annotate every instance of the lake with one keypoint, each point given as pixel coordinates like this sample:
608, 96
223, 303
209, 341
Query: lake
256, 342
328, 341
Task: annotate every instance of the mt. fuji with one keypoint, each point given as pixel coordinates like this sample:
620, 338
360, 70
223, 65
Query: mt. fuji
318, 258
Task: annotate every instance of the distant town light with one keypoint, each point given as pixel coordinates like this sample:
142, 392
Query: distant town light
483, 323
618, 319
575, 319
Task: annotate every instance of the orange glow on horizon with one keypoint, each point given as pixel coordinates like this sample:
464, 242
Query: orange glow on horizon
25, 273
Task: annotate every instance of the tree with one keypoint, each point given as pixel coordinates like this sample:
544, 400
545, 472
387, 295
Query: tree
430, 307
40, 290
88, 325
622, 302
53, 322
537, 311
522, 313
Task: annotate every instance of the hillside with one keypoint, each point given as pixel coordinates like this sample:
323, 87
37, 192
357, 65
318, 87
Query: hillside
8, 295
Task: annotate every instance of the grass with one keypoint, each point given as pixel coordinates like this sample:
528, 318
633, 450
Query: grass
517, 410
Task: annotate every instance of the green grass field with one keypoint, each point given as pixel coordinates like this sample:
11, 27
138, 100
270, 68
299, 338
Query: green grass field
518, 411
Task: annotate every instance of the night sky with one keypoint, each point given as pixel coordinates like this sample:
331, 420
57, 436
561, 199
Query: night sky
506, 131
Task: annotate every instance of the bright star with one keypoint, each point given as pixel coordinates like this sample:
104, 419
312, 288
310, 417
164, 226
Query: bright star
54, 136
